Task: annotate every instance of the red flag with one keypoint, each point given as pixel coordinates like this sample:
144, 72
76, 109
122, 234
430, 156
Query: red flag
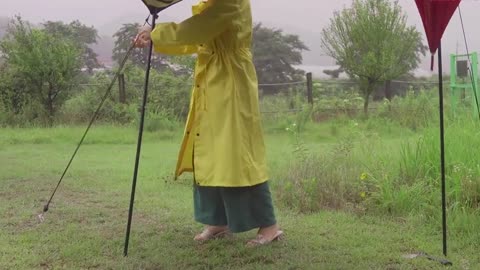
436, 15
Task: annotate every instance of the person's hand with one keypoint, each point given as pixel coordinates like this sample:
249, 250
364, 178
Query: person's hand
143, 38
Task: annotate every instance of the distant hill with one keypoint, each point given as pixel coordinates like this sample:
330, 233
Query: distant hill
104, 48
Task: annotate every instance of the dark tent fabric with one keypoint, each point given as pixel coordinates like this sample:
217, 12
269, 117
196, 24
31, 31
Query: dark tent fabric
156, 6
436, 15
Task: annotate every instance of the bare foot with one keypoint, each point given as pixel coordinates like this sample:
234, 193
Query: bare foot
211, 232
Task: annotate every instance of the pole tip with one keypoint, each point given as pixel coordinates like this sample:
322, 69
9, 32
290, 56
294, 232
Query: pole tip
45, 208
41, 218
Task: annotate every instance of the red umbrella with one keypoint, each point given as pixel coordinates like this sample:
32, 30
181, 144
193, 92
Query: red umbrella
436, 15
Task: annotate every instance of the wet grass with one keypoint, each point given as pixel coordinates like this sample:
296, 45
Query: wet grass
85, 227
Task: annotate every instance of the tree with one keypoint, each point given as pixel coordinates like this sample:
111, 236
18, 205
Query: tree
123, 41
372, 42
80, 35
12, 97
275, 54
421, 49
334, 73
43, 65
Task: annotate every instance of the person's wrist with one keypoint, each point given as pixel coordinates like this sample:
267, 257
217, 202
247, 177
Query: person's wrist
145, 29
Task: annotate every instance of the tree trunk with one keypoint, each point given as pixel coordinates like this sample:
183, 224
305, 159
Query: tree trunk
368, 91
49, 106
367, 87
51, 112
365, 105
122, 98
388, 90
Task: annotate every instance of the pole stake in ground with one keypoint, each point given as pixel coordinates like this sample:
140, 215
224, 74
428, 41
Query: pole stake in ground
41, 217
139, 143
155, 7
444, 262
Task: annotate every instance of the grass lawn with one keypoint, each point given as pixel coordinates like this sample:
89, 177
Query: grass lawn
85, 227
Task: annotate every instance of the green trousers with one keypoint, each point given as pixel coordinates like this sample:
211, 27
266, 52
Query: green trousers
241, 208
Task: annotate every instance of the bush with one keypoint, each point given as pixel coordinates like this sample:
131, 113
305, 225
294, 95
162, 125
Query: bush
311, 182
422, 160
81, 108
333, 100
169, 95
32, 115
415, 111
319, 182
365, 173
160, 121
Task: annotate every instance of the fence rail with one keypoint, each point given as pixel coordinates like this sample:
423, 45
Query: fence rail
282, 84
309, 86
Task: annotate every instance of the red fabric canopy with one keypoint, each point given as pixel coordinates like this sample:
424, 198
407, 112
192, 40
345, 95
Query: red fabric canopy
436, 15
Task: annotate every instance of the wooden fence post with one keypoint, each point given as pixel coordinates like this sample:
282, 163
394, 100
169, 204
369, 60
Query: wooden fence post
310, 88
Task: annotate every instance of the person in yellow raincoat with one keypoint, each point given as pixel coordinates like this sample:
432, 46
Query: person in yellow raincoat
223, 143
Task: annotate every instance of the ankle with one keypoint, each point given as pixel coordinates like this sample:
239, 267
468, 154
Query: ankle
215, 228
273, 227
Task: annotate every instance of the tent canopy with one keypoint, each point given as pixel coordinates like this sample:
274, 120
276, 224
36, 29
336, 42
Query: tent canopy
156, 6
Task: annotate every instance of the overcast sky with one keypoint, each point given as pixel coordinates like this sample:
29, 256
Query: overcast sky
308, 16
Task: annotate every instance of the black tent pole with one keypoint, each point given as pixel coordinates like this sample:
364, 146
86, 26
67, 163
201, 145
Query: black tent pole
442, 149
139, 143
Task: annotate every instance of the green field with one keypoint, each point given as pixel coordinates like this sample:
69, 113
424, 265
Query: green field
85, 226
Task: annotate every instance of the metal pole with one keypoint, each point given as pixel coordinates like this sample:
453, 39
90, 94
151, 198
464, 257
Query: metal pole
442, 150
139, 144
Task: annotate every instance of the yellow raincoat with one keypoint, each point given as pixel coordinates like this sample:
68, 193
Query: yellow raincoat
223, 134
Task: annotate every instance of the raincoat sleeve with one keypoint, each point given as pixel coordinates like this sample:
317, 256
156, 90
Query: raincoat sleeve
198, 29
175, 50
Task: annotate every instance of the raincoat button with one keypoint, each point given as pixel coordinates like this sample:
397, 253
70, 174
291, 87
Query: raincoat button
198, 85
198, 134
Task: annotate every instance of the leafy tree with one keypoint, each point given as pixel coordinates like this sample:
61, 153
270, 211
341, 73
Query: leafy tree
123, 41
275, 54
80, 35
169, 93
334, 73
372, 42
422, 50
12, 97
43, 65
